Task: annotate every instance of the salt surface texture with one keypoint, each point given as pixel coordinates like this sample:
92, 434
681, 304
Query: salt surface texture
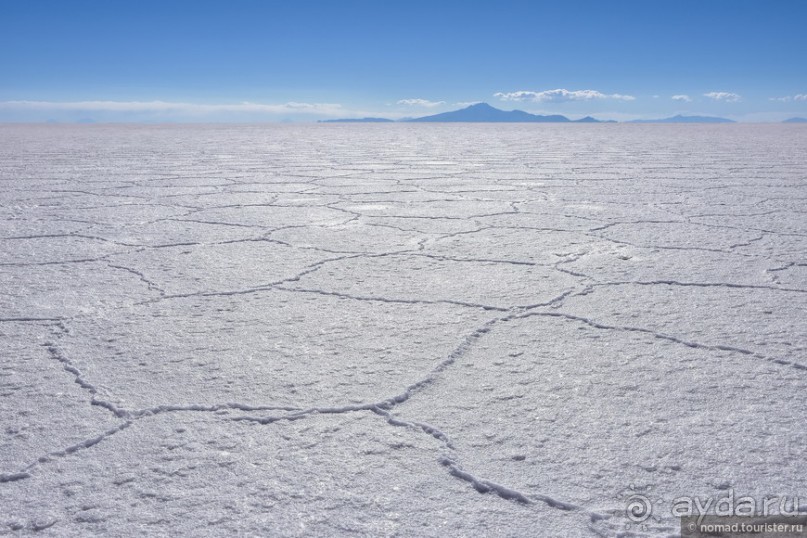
397, 330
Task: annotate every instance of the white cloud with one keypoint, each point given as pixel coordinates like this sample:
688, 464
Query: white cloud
420, 102
176, 107
723, 96
682, 97
797, 97
559, 96
465, 104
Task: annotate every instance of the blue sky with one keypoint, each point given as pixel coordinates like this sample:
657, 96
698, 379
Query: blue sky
245, 60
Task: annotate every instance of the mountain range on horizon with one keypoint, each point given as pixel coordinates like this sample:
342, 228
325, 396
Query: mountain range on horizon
485, 113
479, 113
686, 119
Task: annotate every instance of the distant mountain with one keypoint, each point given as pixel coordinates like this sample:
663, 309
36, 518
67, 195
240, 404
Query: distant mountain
478, 113
796, 120
358, 120
589, 119
687, 119
484, 113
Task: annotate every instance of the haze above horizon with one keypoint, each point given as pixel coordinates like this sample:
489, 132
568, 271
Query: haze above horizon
246, 60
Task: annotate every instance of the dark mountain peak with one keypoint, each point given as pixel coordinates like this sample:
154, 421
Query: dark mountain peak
484, 113
479, 106
588, 119
478, 113
795, 120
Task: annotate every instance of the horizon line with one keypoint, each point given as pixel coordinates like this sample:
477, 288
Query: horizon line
159, 111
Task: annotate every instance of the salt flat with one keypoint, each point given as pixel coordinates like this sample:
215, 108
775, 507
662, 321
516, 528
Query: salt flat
398, 330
